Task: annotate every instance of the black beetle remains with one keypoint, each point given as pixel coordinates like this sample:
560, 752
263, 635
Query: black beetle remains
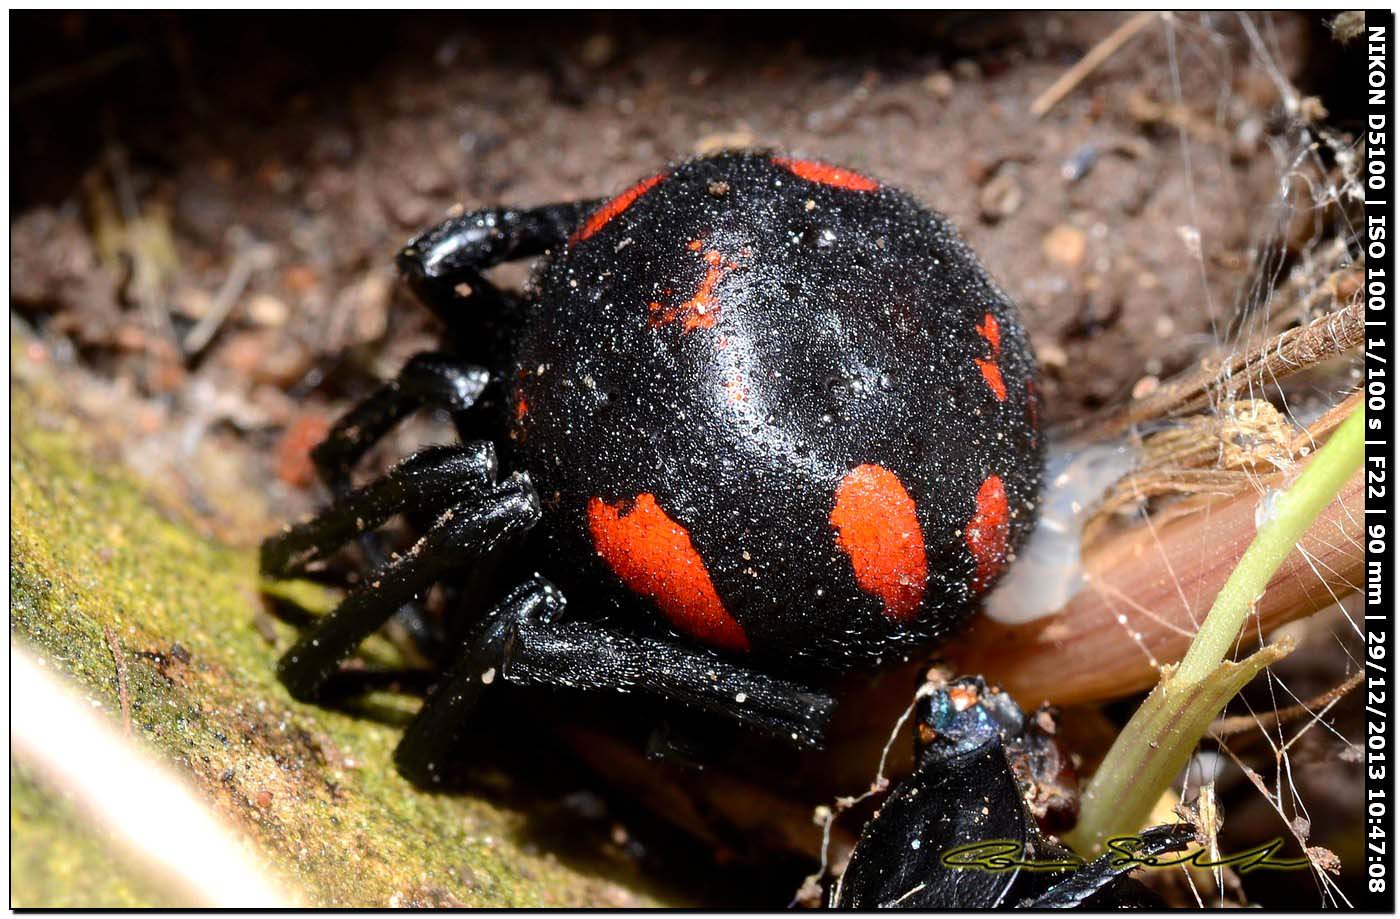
960, 833
762, 420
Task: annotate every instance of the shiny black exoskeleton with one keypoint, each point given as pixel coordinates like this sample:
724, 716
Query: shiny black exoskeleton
762, 420
961, 832
812, 377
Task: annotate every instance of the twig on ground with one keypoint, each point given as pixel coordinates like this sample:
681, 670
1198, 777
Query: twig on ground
1089, 63
1226, 727
123, 694
249, 260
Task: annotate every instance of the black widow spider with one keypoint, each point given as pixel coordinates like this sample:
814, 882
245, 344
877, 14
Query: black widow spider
765, 421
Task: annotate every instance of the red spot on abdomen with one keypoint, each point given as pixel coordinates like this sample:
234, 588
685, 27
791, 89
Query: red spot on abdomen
988, 531
654, 557
700, 310
990, 329
991, 371
992, 374
827, 174
614, 207
876, 525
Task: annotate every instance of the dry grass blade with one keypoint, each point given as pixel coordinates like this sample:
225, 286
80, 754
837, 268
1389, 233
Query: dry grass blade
119, 660
1215, 455
1221, 379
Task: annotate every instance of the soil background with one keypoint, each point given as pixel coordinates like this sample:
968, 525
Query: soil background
273, 170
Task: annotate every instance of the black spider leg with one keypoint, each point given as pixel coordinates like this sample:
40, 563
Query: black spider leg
446, 711
443, 265
524, 642
1104, 882
463, 533
428, 380
431, 480
582, 655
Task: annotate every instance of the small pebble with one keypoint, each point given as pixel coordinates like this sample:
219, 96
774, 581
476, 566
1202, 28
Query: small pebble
1065, 245
1145, 387
1002, 196
1080, 163
1051, 355
940, 83
266, 310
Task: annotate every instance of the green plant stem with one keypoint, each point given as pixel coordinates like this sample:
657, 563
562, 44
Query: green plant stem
1158, 740
1293, 512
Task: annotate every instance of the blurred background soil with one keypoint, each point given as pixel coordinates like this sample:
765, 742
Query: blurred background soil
205, 208
250, 179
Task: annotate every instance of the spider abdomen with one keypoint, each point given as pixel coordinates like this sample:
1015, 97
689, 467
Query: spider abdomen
779, 405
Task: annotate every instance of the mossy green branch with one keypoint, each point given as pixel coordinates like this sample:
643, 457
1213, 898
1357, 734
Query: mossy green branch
1161, 735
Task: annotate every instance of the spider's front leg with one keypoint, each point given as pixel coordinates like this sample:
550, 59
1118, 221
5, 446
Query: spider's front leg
462, 534
444, 265
431, 480
525, 642
428, 380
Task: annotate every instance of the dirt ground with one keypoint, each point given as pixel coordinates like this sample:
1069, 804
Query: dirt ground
205, 209
168, 168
